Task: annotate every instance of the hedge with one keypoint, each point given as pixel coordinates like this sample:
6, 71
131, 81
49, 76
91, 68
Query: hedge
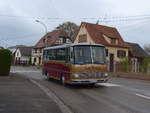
5, 61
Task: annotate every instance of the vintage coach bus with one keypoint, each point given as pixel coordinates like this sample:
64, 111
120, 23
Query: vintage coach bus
76, 63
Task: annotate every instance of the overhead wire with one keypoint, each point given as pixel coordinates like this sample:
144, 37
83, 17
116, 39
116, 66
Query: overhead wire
140, 19
101, 18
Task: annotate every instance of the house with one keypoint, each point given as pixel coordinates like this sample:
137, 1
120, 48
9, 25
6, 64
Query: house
13, 50
23, 55
136, 55
116, 48
56, 37
137, 52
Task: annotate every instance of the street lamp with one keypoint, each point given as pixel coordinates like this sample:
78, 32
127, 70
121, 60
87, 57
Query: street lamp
45, 27
46, 41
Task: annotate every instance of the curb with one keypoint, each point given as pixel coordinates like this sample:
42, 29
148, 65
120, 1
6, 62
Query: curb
51, 95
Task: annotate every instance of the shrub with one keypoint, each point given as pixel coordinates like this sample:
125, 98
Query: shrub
145, 64
5, 61
125, 63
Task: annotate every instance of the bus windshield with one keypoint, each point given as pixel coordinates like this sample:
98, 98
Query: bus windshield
89, 55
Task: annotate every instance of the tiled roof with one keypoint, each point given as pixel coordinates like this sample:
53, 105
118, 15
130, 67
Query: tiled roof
136, 50
51, 38
97, 33
25, 51
14, 47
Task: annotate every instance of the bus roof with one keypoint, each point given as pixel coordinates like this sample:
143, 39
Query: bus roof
71, 45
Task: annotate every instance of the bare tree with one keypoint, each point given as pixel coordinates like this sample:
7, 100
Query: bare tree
70, 27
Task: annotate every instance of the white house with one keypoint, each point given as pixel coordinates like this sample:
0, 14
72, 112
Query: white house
14, 48
23, 55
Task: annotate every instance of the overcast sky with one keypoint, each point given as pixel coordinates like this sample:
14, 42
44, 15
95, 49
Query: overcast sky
18, 26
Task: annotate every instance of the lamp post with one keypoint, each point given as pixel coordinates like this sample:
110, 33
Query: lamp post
46, 40
45, 27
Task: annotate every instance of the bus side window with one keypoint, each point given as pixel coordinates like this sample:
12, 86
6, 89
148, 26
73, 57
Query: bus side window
54, 54
45, 54
49, 55
67, 55
60, 54
71, 55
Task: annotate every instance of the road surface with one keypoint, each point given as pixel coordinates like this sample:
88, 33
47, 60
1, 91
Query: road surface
119, 95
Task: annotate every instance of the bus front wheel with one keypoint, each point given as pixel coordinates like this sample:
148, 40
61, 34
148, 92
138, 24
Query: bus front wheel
63, 80
47, 76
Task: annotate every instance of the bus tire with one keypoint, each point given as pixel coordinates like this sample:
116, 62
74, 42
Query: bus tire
47, 77
92, 84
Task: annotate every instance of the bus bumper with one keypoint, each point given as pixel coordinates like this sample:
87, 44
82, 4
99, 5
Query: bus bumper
88, 81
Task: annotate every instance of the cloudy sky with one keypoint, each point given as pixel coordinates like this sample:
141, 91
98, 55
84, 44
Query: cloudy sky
18, 26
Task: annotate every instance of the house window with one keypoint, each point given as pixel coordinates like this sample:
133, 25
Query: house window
35, 51
64, 40
121, 54
34, 59
17, 53
40, 50
68, 40
113, 41
82, 38
106, 52
59, 40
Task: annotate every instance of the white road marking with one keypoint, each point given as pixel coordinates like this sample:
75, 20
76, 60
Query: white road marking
108, 84
63, 107
143, 96
25, 71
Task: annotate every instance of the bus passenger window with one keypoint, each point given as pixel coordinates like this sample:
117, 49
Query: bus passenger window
60, 54
67, 55
71, 55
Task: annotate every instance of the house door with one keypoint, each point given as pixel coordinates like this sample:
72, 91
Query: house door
39, 60
111, 62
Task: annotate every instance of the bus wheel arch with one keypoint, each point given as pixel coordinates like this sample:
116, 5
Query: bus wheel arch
47, 75
62, 79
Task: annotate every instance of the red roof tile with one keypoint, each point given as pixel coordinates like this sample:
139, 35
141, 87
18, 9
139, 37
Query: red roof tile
136, 50
51, 38
97, 31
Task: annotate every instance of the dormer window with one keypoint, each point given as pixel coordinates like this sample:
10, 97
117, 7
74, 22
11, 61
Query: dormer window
68, 40
113, 40
64, 40
82, 38
44, 40
60, 40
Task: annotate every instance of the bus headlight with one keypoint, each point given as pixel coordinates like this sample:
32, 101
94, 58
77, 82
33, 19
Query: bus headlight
76, 75
106, 74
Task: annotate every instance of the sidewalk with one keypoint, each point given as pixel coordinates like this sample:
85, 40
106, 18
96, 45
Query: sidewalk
19, 95
132, 75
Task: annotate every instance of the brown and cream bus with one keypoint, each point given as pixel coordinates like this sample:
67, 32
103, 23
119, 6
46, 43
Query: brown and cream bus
76, 63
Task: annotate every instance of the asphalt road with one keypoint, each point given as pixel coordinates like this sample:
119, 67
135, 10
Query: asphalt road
117, 96
19, 95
